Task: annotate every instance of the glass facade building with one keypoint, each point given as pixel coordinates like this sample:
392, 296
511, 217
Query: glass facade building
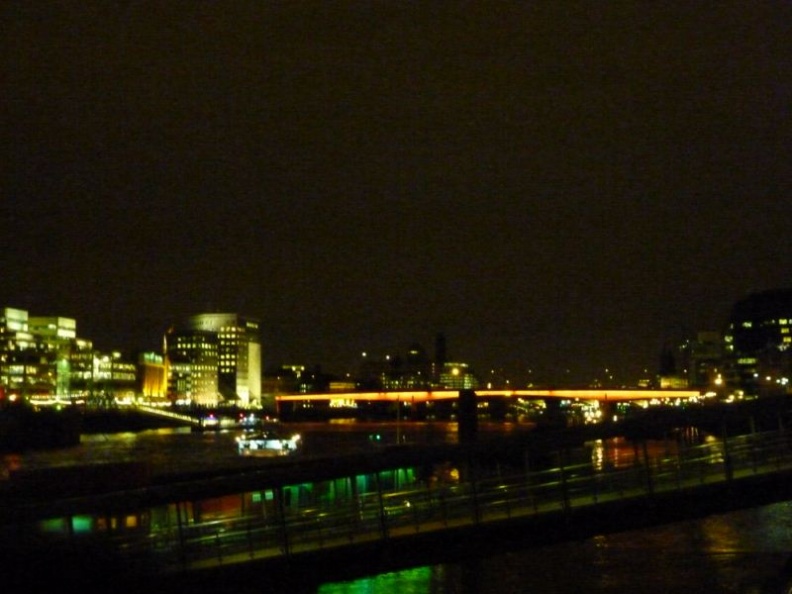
239, 355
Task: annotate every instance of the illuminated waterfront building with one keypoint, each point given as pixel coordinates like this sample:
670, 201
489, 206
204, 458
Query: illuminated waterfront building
43, 361
152, 378
192, 366
239, 355
39, 355
57, 335
52, 328
114, 378
758, 343
81, 369
457, 376
19, 356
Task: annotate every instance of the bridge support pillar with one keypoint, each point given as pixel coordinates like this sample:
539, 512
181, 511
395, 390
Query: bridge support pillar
467, 416
608, 410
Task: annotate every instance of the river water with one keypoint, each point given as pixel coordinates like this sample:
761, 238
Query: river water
740, 552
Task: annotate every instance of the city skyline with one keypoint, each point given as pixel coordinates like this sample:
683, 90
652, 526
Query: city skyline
438, 352
552, 186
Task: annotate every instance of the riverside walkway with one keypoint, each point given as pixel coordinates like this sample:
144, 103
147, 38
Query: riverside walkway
193, 531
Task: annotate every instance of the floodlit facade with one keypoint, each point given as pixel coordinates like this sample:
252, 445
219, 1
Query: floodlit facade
17, 353
114, 378
42, 361
36, 355
239, 355
192, 366
58, 336
457, 376
152, 378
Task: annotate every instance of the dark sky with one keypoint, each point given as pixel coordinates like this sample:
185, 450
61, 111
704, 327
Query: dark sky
554, 185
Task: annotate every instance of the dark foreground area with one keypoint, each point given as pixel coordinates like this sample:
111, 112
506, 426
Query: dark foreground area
95, 569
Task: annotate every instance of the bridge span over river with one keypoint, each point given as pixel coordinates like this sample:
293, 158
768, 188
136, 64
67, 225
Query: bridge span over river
599, 394
447, 403
397, 507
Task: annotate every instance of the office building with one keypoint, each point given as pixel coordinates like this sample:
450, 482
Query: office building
192, 364
757, 343
115, 378
39, 356
458, 376
239, 355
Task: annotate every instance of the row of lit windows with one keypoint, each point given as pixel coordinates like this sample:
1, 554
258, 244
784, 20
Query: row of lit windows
206, 346
746, 361
120, 376
779, 322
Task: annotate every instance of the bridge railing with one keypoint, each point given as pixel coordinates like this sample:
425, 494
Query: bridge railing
188, 542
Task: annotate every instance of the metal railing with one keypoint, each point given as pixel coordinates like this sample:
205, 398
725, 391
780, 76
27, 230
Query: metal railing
188, 542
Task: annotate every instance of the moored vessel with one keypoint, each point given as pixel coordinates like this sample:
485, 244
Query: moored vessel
269, 440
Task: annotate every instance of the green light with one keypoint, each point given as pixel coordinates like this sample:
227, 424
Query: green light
82, 524
410, 581
53, 526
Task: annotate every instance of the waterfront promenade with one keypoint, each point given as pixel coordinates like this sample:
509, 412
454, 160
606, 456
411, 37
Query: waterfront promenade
362, 513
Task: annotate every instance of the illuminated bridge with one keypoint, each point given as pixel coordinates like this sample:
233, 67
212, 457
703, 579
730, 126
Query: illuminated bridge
602, 395
443, 403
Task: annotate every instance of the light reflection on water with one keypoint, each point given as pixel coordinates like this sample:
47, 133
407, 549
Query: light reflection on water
164, 450
181, 450
741, 552
409, 581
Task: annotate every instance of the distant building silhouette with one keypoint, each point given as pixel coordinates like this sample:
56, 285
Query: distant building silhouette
440, 353
396, 372
694, 363
758, 342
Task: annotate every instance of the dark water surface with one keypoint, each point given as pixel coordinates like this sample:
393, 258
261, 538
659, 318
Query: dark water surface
741, 552
169, 451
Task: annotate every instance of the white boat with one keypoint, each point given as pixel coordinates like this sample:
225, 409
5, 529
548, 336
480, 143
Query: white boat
267, 442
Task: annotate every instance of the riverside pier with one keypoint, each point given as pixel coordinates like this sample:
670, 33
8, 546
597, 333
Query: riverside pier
391, 507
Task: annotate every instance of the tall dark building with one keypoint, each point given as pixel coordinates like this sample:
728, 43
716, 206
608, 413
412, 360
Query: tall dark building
440, 356
758, 340
440, 350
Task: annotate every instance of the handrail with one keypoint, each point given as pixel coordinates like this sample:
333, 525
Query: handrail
167, 546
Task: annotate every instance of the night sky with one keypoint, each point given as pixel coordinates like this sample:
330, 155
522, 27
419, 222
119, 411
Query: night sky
554, 185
